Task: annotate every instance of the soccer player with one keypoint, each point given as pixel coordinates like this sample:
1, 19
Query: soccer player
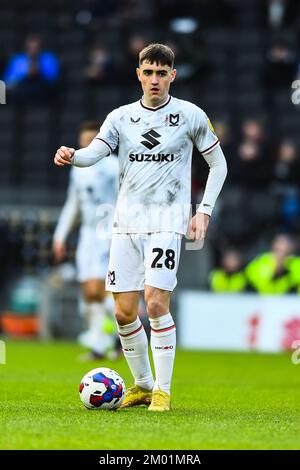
88, 188
155, 138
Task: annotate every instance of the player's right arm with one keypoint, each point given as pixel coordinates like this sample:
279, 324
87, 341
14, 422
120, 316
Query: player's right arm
102, 145
64, 156
84, 157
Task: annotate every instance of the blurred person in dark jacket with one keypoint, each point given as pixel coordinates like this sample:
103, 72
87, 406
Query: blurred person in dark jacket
32, 74
286, 169
251, 166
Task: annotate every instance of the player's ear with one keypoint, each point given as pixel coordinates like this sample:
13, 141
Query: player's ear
174, 72
138, 72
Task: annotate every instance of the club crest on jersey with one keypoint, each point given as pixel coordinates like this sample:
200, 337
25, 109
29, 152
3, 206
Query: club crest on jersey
173, 120
135, 121
111, 278
151, 139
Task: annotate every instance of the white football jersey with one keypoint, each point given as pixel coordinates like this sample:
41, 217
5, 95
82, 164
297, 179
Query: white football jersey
89, 189
155, 155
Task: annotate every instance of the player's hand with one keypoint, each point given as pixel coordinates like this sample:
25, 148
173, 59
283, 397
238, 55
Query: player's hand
64, 156
59, 251
198, 226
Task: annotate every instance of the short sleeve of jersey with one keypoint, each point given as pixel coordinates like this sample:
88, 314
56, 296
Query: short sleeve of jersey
203, 133
109, 132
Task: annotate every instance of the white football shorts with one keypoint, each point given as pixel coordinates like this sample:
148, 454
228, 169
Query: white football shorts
139, 259
92, 255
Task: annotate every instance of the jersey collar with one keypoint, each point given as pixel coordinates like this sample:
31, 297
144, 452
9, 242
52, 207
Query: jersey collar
159, 107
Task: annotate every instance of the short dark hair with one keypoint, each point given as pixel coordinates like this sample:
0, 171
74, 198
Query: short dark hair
89, 126
159, 53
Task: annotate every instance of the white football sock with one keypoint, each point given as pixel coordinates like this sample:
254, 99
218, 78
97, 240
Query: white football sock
135, 347
163, 345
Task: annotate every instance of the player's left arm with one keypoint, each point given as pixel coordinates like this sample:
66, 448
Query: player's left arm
217, 174
207, 142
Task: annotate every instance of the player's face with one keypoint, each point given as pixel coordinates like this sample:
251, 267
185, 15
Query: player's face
86, 137
155, 80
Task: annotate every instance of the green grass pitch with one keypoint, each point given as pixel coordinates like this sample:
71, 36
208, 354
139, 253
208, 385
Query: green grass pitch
220, 401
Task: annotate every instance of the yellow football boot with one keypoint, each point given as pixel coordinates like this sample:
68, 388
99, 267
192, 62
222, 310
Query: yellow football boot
135, 396
161, 401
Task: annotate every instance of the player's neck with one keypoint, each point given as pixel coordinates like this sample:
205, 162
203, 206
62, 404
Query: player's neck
154, 103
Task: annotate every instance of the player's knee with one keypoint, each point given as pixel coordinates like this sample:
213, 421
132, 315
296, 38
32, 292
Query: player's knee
123, 317
156, 307
126, 307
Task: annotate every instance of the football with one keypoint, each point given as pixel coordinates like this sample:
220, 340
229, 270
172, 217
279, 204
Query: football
102, 389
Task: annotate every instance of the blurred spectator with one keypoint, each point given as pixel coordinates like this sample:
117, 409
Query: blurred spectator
31, 75
286, 170
251, 167
229, 277
279, 13
275, 272
252, 130
100, 67
248, 206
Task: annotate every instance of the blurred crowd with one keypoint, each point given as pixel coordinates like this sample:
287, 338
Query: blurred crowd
261, 195
276, 271
115, 31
